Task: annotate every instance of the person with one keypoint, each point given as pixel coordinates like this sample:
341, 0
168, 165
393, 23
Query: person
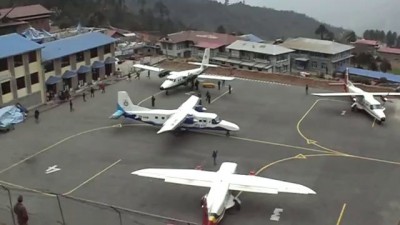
306, 89
103, 88
214, 155
84, 96
208, 96
219, 85
21, 212
199, 95
148, 74
71, 108
230, 89
91, 92
37, 115
153, 99
137, 75
196, 84
129, 76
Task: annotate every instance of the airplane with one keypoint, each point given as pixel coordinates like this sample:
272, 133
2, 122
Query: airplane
361, 99
221, 183
178, 78
189, 115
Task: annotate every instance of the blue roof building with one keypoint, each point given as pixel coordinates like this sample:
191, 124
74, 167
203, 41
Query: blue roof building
372, 74
15, 44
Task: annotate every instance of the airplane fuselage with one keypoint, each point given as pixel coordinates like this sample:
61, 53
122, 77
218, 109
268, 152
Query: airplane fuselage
176, 79
196, 120
367, 102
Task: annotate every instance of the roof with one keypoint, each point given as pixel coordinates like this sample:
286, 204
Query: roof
200, 36
372, 74
251, 37
204, 44
314, 45
367, 42
267, 49
25, 11
15, 44
389, 50
71, 45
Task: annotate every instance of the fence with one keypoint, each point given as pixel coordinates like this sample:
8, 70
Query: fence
50, 208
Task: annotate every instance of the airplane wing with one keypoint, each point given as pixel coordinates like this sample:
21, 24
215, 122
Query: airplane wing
151, 68
215, 77
250, 183
385, 93
339, 94
180, 176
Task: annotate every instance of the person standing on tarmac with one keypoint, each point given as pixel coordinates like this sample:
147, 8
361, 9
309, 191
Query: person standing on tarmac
153, 99
230, 89
21, 212
208, 96
306, 89
219, 85
37, 115
214, 155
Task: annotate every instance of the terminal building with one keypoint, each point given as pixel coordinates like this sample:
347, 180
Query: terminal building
74, 62
21, 76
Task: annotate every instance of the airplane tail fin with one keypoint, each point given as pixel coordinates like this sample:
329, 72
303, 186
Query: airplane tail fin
345, 82
205, 61
125, 104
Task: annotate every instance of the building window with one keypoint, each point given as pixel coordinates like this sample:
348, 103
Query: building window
169, 46
18, 61
21, 83
323, 65
32, 56
107, 49
93, 52
3, 64
48, 67
65, 61
35, 78
80, 56
314, 64
6, 87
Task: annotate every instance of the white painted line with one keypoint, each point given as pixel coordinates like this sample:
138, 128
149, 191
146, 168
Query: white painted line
276, 215
52, 169
221, 96
343, 112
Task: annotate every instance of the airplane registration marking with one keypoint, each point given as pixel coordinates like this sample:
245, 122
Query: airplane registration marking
276, 215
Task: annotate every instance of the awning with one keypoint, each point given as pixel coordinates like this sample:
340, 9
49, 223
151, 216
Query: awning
219, 59
260, 65
53, 80
302, 59
110, 60
97, 65
247, 63
69, 74
233, 61
83, 69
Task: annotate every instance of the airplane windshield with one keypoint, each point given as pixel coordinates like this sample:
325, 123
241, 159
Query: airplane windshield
217, 120
171, 79
376, 107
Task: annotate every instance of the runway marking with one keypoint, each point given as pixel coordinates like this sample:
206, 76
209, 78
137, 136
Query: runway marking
149, 97
25, 188
220, 96
93, 177
373, 123
341, 214
52, 169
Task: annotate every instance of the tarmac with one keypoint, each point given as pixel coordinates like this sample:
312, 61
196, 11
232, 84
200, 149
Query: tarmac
351, 162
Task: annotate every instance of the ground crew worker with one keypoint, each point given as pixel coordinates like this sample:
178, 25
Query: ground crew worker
129, 76
148, 74
230, 89
199, 95
306, 89
20, 211
219, 85
153, 99
92, 92
37, 115
84, 96
137, 75
208, 96
214, 155
71, 108
196, 84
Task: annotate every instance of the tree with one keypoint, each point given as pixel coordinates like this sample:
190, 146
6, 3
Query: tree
321, 30
385, 66
350, 37
221, 29
161, 9
373, 66
398, 42
367, 34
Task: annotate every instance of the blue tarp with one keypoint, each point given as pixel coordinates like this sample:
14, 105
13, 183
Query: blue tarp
10, 115
53, 80
69, 74
110, 60
372, 74
83, 69
97, 65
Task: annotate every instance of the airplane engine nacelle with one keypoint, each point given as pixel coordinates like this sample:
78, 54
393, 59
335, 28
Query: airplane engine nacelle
200, 108
189, 120
354, 99
164, 73
384, 99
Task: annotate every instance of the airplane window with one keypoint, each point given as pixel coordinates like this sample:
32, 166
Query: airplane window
163, 118
376, 107
217, 120
156, 117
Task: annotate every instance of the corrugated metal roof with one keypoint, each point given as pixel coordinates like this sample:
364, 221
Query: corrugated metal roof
367, 42
395, 51
259, 48
199, 36
211, 45
25, 11
71, 45
314, 45
15, 44
251, 37
372, 74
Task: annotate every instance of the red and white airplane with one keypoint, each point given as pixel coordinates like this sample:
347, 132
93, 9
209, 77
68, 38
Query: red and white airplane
361, 99
221, 183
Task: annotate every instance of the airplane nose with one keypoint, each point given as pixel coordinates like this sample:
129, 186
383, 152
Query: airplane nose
162, 88
383, 119
229, 126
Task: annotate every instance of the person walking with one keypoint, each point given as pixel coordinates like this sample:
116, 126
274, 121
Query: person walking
230, 89
196, 84
208, 96
219, 85
37, 115
214, 155
71, 107
153, 99
84, 96
21, 212
148, 74
306, 89
129, 77
91, 92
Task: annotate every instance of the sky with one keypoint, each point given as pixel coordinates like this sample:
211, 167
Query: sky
357, 15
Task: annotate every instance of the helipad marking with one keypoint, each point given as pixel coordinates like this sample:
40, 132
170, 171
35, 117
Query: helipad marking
52, 169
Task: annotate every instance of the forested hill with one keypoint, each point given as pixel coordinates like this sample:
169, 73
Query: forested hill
174, 15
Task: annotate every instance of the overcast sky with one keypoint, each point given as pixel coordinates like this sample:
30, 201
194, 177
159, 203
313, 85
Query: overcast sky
357, 15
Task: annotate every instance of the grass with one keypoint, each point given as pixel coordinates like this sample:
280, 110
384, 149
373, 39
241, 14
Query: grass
395, 71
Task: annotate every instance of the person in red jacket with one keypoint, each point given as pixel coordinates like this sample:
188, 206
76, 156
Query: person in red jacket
20, 211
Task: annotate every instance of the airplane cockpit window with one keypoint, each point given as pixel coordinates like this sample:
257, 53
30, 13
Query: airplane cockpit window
217, 120
376, 107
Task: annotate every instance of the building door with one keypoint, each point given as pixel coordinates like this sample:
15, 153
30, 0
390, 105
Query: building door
95, 74
108, 69
81, 79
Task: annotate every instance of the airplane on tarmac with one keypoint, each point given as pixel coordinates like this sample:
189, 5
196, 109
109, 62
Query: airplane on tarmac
361, 99
221, 183
189, 115
178, 78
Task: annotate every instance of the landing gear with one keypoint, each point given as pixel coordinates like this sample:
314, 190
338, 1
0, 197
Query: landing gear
166, 92
228, 133
354, 107
238, 204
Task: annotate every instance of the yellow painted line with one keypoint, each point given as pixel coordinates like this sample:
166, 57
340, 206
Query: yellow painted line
93, 177
372, 159
25, 188
54, 145
220, 96
150, 97
341, 214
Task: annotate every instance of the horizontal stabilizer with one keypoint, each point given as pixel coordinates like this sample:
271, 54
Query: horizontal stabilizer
117, 114
215, 77
200, 64
339, 94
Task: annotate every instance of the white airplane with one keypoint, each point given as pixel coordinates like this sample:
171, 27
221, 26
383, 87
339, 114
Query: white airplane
178, 78
221, 183
189, 115
361, 99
